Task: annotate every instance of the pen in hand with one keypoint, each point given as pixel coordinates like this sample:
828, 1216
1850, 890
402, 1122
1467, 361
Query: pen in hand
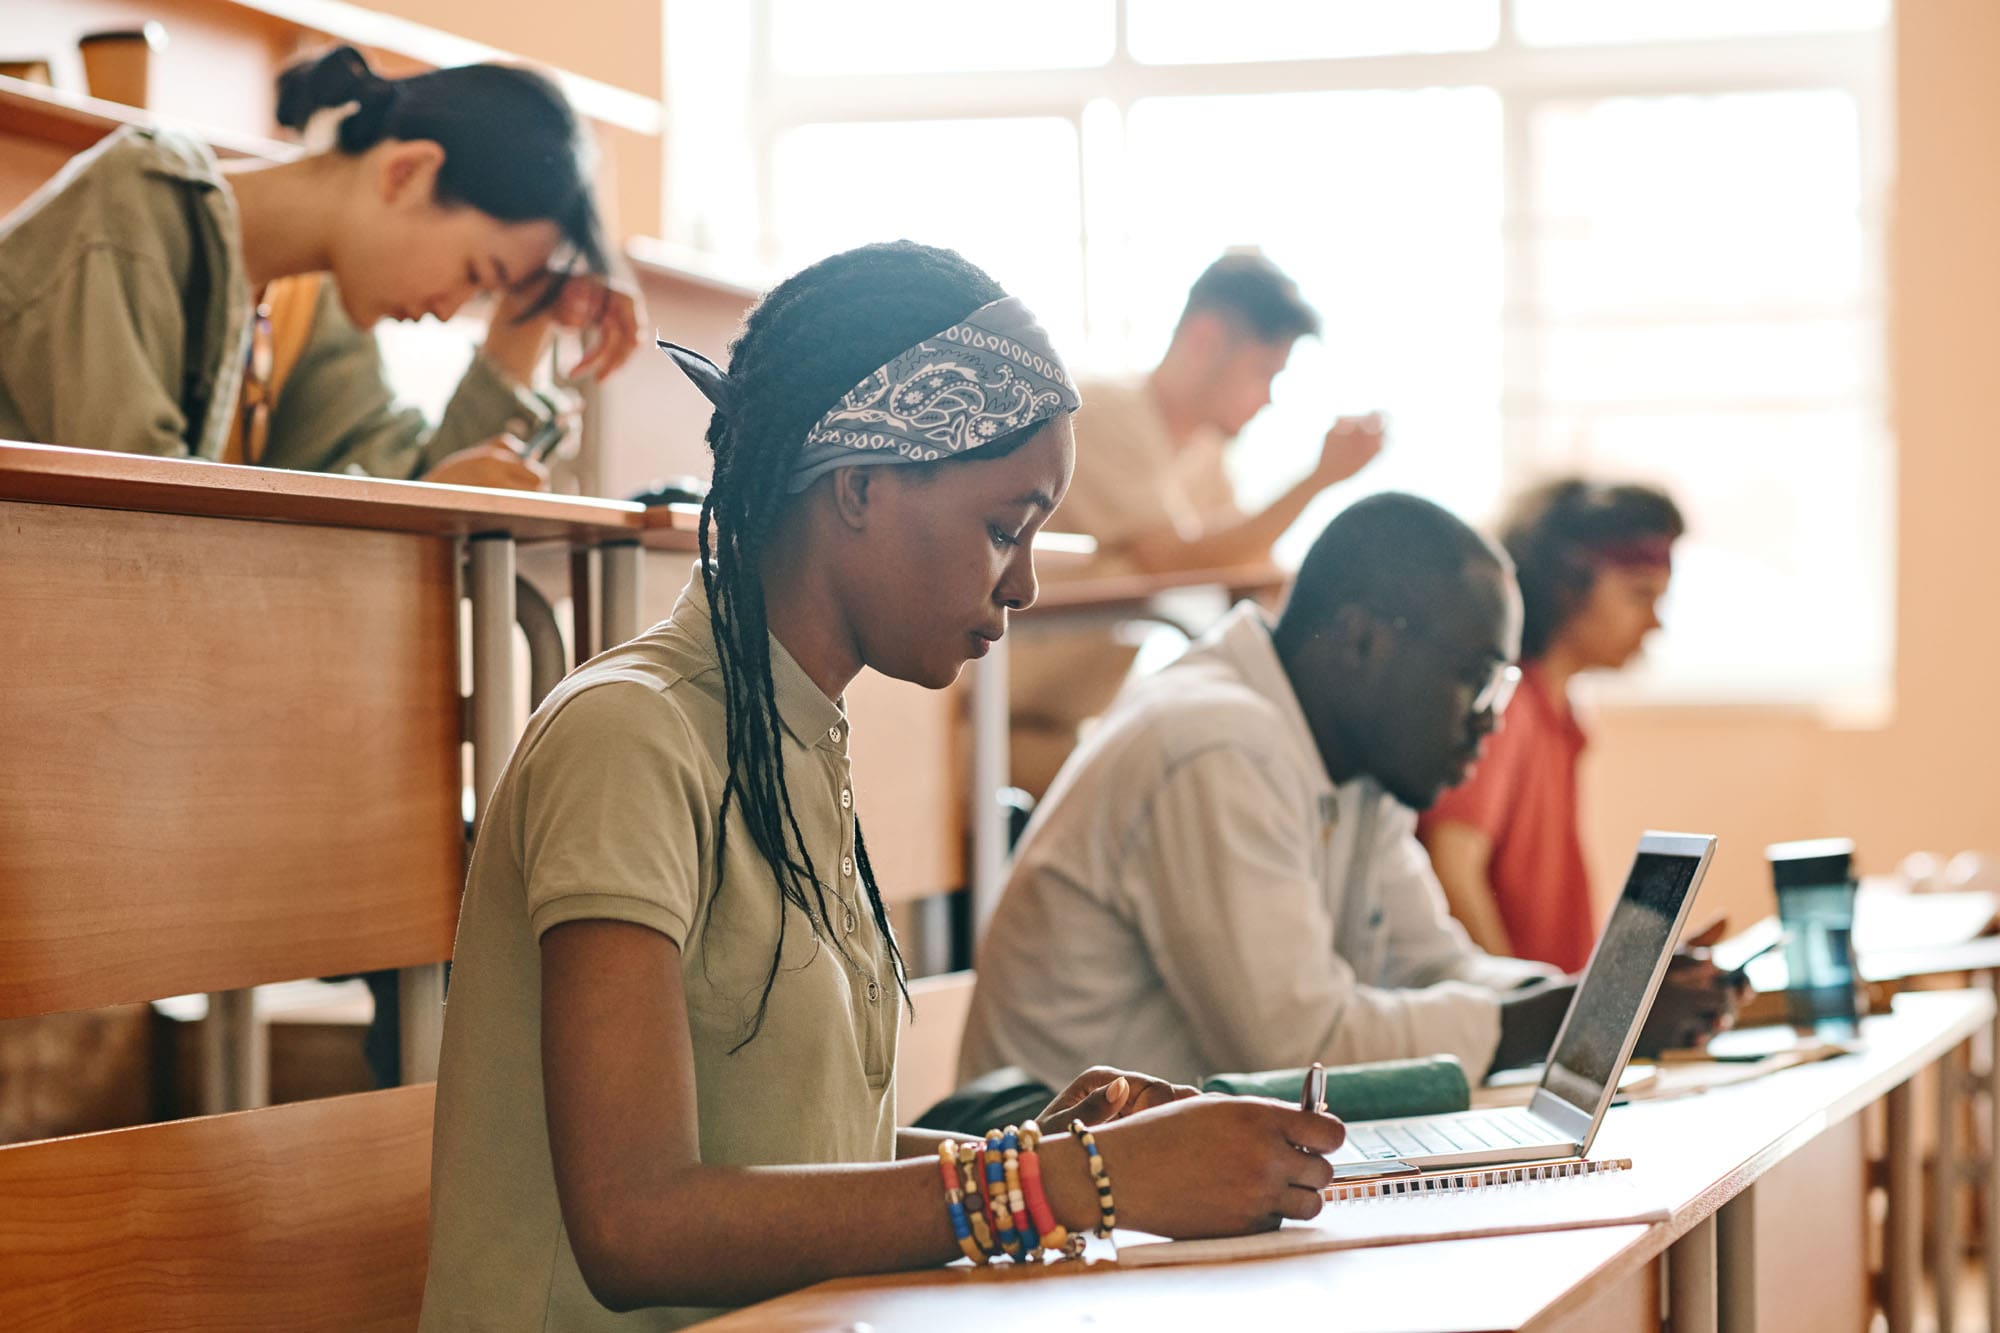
1312, 1097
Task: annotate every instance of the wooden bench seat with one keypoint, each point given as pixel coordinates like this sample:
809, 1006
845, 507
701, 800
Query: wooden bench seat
308, 1216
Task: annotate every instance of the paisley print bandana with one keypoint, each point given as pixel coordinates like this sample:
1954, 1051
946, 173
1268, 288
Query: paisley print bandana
988, 376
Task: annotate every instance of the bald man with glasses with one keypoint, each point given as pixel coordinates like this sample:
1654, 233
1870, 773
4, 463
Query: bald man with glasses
1226, 875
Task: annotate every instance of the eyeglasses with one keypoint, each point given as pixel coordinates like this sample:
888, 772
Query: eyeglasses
1492, 683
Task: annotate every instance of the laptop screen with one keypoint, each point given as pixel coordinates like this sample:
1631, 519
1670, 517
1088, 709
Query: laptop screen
1618, 986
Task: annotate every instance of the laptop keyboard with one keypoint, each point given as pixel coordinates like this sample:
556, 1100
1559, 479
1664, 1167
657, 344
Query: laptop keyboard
1475, 1133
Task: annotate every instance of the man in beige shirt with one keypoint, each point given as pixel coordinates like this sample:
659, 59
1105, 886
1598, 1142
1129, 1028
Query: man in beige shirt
1151, 488
1225, 876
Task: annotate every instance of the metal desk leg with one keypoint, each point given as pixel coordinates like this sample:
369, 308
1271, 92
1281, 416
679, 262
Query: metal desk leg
1691, 1281
989, 779
495, 723
1945, 1174
420, 1011
1903, 1240
1736, 1264
236, 1072
621, 566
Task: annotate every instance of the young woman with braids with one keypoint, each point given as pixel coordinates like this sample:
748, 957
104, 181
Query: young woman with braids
669, 1054
153, 300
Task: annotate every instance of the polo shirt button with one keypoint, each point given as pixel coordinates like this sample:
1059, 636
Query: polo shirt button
833, 734
874, 991
847, 866
848, 921
846, 798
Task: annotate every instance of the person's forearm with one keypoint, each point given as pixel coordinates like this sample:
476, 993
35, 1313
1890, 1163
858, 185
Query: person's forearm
1471, 901
515, 345
722, 1235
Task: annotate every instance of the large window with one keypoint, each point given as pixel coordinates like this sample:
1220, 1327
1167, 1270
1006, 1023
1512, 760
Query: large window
1616, 236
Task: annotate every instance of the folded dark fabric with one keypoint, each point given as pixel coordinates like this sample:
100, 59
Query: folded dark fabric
1429, 1086
1002, 1097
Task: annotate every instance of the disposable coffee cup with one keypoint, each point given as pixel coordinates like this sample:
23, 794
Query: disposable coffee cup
118, 65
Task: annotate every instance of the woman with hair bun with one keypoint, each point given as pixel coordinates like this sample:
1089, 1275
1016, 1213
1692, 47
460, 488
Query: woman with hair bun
153, 300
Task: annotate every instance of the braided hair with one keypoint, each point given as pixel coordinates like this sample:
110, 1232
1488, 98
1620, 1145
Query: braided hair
810, 340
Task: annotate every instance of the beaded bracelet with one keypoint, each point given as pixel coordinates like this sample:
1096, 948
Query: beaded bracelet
955, 1201
975, 1195
1099, 1176
1010, 1147
1055, 1236
996, 1196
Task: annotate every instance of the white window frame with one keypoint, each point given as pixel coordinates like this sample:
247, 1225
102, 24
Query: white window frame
1525, 77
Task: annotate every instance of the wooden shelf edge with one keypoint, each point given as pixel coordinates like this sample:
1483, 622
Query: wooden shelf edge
593, 98
653, 256
67, 118
98, 479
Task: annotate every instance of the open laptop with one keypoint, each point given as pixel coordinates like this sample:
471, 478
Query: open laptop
1591, 1047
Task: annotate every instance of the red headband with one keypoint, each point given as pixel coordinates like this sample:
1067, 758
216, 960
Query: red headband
1637, 552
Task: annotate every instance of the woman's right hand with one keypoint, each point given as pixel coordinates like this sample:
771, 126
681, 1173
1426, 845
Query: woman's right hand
1209, 1166
497, 464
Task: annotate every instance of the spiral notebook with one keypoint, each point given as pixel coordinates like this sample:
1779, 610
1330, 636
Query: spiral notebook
1456, 1205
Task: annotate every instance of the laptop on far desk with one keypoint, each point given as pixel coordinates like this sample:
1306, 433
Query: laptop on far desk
1591, 1047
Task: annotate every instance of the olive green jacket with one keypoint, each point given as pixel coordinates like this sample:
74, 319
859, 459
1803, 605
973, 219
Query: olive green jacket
124, 324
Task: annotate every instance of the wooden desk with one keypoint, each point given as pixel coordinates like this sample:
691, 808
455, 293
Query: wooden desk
225, 677
1901, 940
1710, 1160
1120, 596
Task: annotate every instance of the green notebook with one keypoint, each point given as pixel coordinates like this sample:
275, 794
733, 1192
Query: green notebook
1386, 1088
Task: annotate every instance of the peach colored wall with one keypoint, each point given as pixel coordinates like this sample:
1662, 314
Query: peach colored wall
1926, 779
615, 41
216, 69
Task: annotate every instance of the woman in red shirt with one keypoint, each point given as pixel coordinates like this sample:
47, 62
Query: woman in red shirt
1593, 562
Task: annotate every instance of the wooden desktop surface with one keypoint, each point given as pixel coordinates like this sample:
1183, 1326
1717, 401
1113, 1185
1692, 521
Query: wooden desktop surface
1693, 1155
99, 479
1129, 592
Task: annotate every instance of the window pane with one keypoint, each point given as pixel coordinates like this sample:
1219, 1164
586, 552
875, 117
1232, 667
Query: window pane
1001, 192
1679, 204
1703, 313
1403, 265
1783, 587
1554, 22
930, 36
1165, 32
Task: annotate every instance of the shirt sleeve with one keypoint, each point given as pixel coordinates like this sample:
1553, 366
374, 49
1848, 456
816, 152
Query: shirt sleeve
105, 371
1116, 491
1427, 946
337, 413
1221, 873
614, 813
1210, 492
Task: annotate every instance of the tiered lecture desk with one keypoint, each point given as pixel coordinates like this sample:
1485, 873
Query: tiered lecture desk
1764, 1181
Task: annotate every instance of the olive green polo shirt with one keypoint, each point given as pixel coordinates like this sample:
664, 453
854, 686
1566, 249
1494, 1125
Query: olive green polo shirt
608, 810
109, 339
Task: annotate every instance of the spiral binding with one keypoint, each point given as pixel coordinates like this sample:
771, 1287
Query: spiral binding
1459, 1182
